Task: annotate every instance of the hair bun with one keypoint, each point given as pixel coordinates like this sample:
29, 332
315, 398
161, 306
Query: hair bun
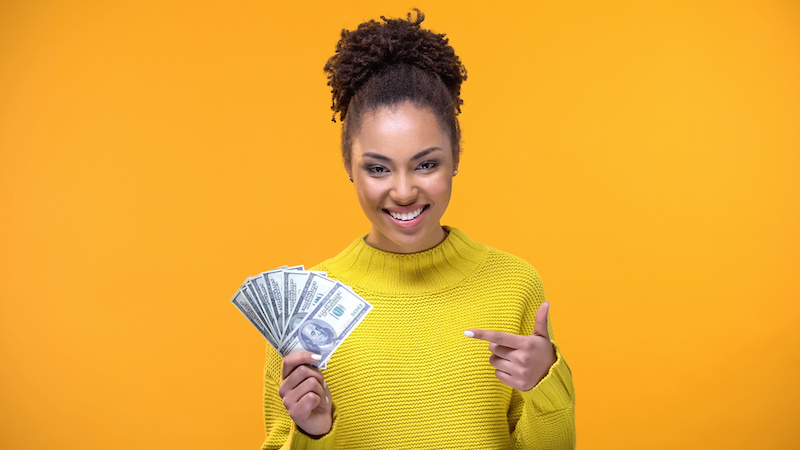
374, 46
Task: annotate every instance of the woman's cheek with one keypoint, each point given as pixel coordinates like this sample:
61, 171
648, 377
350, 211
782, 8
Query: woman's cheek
370, 194
441, 188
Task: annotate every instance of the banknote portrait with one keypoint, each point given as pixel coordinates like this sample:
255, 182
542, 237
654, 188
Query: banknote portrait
317, 336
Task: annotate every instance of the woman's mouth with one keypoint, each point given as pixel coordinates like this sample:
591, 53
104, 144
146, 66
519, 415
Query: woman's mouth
407, 217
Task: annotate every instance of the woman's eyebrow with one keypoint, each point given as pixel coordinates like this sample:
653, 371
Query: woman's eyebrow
425, 152
377, 156
387, 159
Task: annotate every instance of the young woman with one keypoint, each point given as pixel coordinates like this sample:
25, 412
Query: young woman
410, 376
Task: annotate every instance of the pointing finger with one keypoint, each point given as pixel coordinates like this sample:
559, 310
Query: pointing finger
497, 337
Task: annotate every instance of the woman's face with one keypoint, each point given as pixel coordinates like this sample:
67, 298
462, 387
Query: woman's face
402, 167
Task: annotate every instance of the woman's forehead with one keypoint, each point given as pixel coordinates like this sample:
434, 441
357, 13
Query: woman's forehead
400, 132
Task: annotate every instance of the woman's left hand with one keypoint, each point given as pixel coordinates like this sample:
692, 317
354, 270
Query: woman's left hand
521, 361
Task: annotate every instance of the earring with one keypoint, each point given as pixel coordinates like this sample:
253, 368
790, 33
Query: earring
351, 179
455, 172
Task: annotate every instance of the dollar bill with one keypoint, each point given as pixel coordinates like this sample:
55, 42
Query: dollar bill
293, 283
274, 281
243, 305
254, 294
296, 310
328, 324
262, 289
254, 291
250, 296
316, 287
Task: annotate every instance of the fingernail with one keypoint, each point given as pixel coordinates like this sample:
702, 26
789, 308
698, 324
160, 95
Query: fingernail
469, 334
316, 357
328, 399
324, 383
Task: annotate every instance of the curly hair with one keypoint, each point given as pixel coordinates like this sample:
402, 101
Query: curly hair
390, 62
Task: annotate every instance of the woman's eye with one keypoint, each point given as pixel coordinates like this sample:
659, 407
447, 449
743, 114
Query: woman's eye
376, 169
428, 165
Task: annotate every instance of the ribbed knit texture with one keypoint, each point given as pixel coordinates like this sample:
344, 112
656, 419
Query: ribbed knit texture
408, 378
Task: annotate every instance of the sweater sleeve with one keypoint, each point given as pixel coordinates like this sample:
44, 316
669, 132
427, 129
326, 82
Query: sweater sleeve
282, 433
544, 416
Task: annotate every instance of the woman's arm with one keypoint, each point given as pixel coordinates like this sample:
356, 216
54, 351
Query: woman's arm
544, 417
541, 414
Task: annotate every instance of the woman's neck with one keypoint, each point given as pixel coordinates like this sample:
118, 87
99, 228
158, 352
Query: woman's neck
379, 241
444, 266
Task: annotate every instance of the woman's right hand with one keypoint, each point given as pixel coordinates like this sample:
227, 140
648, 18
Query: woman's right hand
305, 394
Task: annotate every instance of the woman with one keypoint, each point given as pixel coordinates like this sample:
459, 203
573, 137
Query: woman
408, 377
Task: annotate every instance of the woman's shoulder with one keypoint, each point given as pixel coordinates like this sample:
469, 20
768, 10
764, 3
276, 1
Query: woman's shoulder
320, 266
344, 257
509, 262
323, 266
508, 266
512, 279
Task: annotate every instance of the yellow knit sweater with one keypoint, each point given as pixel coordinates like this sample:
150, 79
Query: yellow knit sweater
408, 378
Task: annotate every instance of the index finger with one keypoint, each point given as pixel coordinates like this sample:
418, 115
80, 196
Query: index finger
292, 360
498, 337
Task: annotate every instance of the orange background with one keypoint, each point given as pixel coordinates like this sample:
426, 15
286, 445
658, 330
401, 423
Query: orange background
644, 156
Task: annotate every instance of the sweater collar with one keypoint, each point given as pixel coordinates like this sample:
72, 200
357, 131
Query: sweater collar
436, 269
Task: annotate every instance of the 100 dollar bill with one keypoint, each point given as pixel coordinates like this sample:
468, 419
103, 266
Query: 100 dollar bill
328, 324
316, 288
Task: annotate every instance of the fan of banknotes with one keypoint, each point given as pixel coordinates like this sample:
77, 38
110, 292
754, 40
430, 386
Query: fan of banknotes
301, 310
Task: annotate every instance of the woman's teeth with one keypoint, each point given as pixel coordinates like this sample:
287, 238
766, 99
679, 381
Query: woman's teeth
406, 216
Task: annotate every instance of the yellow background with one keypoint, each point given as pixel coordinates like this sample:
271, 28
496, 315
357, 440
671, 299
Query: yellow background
644, 156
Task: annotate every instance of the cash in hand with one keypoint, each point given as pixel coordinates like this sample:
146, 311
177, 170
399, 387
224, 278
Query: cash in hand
301, 310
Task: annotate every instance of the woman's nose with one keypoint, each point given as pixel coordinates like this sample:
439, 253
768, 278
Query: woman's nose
404, 190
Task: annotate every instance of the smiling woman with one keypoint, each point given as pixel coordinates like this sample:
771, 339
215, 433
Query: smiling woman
408, 377
402, 168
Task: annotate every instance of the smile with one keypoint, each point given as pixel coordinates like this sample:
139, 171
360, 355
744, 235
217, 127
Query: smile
407, 216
